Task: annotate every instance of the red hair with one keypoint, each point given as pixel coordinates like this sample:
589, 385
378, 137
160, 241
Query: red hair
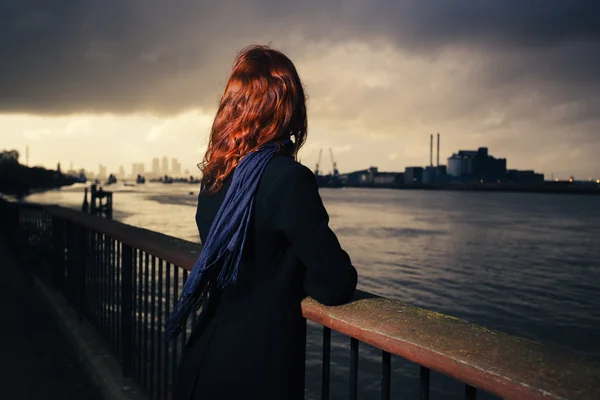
263, 102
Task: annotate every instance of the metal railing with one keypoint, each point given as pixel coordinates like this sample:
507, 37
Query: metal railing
125, 280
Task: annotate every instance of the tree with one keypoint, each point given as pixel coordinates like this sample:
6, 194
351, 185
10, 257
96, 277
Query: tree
9, 156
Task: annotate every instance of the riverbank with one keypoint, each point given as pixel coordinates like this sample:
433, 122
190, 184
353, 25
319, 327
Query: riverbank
21, 181
547, 188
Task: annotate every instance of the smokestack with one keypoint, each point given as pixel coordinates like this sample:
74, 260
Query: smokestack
438, 150
431, 150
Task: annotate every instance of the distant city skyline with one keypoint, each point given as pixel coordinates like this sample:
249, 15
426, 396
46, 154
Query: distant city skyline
157, 165
145, 79
136, 168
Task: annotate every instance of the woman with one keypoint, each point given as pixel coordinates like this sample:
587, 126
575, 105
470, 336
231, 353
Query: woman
267, 243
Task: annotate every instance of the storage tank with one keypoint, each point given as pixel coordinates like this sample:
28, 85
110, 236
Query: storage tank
455, 164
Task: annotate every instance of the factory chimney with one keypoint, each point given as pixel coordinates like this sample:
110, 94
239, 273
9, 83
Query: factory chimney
438, 149
431, 150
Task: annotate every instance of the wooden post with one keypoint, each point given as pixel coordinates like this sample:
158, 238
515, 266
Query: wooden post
85, 206
93, 200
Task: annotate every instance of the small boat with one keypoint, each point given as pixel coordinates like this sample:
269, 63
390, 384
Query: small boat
111, 179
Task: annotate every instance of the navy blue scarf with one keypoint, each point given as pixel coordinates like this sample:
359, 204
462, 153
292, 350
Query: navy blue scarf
226, 237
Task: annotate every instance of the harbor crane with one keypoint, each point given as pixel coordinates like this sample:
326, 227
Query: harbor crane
318, 162
335, 170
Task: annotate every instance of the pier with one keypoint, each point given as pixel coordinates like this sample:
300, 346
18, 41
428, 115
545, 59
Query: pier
123, 281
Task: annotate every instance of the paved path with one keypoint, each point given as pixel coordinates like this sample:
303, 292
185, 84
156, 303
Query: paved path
36, 360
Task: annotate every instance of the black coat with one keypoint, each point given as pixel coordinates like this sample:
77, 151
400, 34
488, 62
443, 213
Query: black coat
250, 345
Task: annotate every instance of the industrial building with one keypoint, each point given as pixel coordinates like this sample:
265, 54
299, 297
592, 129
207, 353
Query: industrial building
524, 177
434, 174
413, 175
372, 177
465, 167
388, 178
469, 165
428, 175
362, 177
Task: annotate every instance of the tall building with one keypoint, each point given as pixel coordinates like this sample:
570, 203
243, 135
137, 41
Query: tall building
121, 172
102, 172
137, 169
156, 167
140, 169
165, 166
175, 167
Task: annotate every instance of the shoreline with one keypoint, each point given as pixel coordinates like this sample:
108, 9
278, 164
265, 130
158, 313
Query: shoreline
590, 190
549, 188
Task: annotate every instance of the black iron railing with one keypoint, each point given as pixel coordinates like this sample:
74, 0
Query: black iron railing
125, 281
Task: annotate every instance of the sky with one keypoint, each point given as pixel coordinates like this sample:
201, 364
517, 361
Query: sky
120, 82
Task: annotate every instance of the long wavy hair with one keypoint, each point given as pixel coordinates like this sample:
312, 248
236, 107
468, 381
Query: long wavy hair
263, 102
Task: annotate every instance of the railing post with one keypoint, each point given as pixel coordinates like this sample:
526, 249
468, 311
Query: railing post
58, 251
14, 228
17, 219
127, 308
3, 216
353, 368
70, 264
82, 257
109, 206
6, 218
93, 200
325, 375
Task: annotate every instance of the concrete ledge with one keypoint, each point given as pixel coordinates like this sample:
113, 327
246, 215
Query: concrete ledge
101, 366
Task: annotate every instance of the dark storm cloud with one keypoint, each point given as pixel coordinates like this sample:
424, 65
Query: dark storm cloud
123, 56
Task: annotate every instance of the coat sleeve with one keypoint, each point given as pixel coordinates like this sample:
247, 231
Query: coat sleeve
294, 208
